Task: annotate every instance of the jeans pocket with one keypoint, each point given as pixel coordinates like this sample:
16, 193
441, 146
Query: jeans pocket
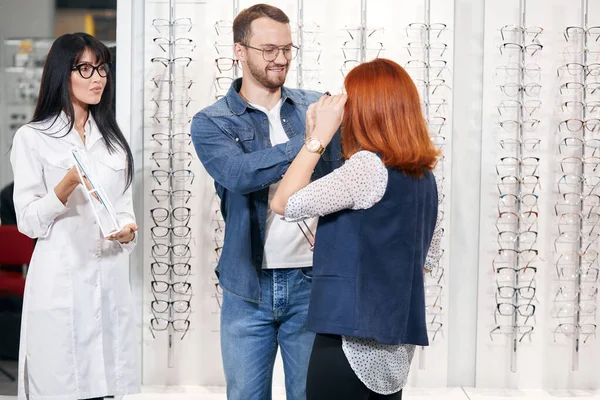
307, 273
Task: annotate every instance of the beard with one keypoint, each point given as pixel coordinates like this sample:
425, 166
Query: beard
264, 78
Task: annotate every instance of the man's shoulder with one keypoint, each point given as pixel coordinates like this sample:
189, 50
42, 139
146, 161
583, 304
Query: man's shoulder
220, 108
304, 96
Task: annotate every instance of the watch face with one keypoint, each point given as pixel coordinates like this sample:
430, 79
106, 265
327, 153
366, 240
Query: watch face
313, 145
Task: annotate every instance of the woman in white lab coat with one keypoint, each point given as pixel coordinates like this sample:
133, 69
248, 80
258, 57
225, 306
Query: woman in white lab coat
77, 335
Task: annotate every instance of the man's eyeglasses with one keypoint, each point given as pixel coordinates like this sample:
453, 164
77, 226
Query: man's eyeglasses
271, 53
86, 70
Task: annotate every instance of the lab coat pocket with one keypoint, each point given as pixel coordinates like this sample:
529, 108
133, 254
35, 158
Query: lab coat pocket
111, 174
55, 168
49, 352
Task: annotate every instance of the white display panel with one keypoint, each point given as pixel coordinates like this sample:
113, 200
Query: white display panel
541, 362
196, 358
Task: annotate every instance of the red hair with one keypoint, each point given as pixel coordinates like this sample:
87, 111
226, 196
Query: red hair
383, 115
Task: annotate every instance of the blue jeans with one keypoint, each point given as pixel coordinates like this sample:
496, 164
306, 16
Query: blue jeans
251, 332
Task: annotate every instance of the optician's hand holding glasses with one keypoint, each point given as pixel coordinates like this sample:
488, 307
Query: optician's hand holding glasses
324, 117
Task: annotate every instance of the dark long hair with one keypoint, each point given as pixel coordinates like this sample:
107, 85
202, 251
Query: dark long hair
55, 94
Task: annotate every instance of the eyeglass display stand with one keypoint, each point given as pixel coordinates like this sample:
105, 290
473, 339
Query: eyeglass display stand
577, 316
363, 30
300, 41
171, 130
521, 38
218, 231
236, 11
426, 111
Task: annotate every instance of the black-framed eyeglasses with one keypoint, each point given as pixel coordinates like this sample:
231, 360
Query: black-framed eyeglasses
86, 70
178, 268
162, 306
270, 53
160, 214
508, 309
180, 231
176, 287
510, 292
179, 325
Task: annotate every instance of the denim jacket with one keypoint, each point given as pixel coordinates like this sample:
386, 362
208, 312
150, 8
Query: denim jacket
232, 140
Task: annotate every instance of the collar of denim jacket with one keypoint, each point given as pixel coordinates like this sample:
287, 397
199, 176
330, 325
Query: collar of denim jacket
238, 105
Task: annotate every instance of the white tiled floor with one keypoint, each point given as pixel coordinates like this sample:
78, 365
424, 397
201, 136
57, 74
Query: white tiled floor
218, 393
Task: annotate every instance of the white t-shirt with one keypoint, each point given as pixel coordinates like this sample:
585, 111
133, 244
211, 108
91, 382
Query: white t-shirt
285, 245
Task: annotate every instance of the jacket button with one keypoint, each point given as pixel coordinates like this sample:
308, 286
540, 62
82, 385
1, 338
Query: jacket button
284, 120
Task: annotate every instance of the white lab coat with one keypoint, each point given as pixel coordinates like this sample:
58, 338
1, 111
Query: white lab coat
77, 333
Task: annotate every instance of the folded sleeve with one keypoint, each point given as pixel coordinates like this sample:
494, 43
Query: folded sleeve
36, 205
125, 214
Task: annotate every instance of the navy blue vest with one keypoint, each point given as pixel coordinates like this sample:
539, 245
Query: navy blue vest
368, 265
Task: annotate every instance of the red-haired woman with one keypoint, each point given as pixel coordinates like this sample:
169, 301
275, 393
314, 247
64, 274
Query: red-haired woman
378, 215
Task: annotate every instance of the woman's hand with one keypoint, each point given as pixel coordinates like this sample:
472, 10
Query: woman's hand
328, 114
68, 183
125, 235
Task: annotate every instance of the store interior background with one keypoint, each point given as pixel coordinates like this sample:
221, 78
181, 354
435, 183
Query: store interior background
462, 355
